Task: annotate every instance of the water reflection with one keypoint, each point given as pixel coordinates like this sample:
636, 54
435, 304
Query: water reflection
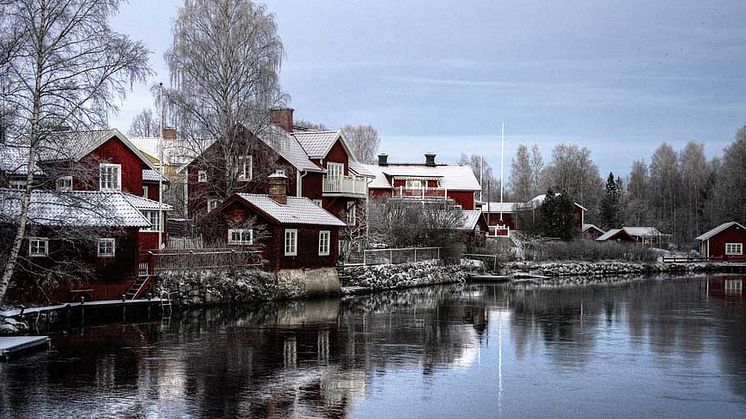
665, 347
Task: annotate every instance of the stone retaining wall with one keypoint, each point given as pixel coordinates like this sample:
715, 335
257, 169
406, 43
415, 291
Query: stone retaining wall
381, 277
603, 268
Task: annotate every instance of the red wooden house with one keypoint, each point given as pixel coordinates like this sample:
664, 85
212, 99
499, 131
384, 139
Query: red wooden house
726, 241
502, 217
84, 239
425, 181
291, 232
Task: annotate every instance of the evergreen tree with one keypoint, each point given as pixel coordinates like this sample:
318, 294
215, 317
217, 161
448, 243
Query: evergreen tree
610, 208
557, 216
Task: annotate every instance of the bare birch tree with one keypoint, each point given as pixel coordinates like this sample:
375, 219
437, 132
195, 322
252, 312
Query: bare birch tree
224, 62
572, 170
144, 124
483, 172
68, 68
521, 176
695, 175
665, 187
537, 165
732, 180
364, 141
638, 194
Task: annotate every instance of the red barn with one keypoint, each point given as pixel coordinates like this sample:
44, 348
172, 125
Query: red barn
298, 234
726, 241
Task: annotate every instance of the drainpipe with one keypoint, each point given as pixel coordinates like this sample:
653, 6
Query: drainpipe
299, 183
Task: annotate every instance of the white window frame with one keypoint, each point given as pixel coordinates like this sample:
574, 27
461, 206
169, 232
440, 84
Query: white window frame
60, 186
212, 203
17, 184
733, 286
246, 168
325, 239
145, 191
317, 202
733, 249
201, 176
335, 169
242, 239
116, 183
34, 251
291, 242
351, 215
104, 240
155, 219
414, 184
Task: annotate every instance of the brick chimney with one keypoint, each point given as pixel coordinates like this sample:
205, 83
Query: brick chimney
169, 133
282, 117
278, 184
383, 159
430, 159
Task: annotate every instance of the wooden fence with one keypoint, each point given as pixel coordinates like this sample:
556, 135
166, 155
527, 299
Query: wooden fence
687, 259
392, 256
216, 258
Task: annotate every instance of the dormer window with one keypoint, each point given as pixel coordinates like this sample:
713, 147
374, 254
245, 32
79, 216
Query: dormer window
335, 169
111, 177
245, 168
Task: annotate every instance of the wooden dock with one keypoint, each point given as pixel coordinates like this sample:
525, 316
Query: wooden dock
11, 345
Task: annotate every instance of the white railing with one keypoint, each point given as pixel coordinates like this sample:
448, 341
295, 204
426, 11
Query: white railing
392, 256
344, 184
420, 193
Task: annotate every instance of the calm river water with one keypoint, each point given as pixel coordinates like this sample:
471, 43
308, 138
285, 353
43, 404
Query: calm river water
654, 348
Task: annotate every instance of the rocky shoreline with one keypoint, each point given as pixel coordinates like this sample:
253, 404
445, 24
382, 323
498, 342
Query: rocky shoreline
569, 268
406, 275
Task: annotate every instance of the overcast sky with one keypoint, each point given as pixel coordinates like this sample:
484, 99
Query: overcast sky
616, 76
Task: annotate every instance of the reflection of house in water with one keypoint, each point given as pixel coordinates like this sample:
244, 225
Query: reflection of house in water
729, 287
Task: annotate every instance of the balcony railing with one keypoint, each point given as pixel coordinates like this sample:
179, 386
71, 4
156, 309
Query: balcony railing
344, 185
420, 193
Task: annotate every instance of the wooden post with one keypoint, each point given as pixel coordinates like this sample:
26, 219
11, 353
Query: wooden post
415, 254
391, 256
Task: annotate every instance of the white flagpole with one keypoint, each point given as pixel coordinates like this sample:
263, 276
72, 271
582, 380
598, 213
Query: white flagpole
481, 176
502, 168
160, 169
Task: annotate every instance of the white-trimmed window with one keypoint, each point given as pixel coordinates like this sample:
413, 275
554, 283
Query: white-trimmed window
241, 236
317, 202
111, 177
733, 286
351, 215
144, 191
245, 168
291, 242
17, 184
106, 247
155, 220
734, 249
64, 183
38, 247
212, 203
335, 169
324, 241
202, 176
414, 184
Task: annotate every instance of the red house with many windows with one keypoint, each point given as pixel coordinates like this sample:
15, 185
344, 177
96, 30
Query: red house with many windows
726, 241
425, 181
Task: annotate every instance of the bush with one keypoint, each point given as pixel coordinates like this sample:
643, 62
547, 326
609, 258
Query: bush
588, 250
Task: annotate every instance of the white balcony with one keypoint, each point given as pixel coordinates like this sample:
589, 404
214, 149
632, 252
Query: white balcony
420, 193
344, 186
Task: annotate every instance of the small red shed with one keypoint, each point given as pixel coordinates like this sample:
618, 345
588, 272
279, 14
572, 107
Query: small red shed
726, 241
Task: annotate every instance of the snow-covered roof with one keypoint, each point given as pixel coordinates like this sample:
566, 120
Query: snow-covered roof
296, 211
74, 145
587, 227
175, 152
289, 148
149, 175
538, 200
73, 209
608, 234
143, 203
14, 160
493, 207
470, 219
459, 178
642, 231
717, 230
361, 169
317, 143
